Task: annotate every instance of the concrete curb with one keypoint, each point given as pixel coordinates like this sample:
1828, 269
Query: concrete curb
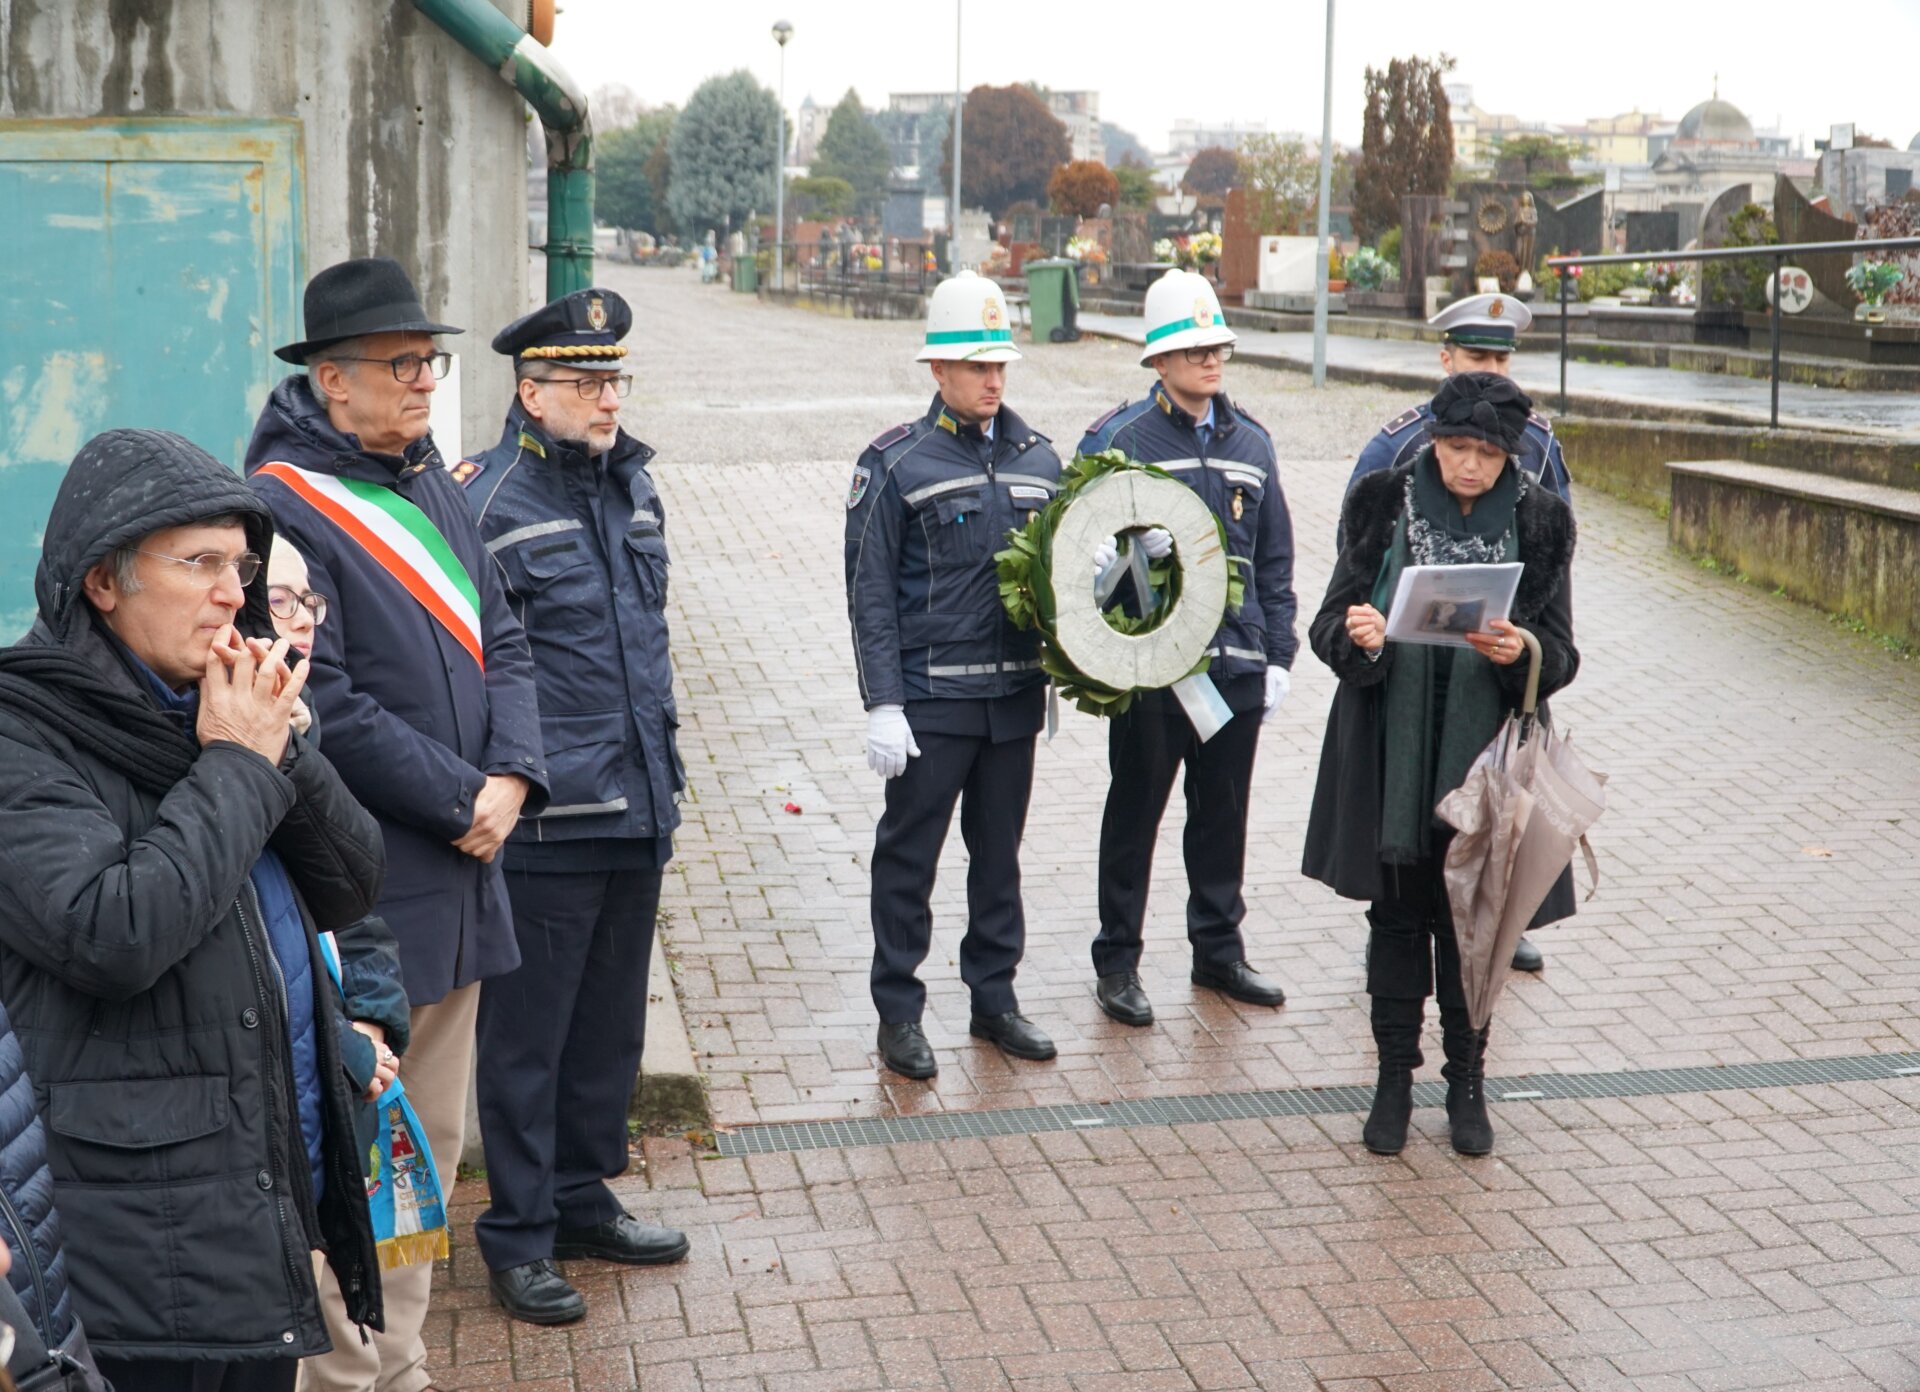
670, 1094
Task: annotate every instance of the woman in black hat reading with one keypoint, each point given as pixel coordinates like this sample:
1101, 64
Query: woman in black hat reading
1408, 720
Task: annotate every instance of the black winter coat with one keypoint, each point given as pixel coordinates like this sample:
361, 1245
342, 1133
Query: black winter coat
1343, 828
136, 967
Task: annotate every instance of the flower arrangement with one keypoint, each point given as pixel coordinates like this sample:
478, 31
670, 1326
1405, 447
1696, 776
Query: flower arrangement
1871, 280
1367, 269
1189, 250
1086, 249
1663, 277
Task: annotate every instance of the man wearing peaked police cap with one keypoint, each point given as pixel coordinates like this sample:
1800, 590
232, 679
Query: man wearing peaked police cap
569, 513
1187, 425
953, 691
1480, 334
424, 686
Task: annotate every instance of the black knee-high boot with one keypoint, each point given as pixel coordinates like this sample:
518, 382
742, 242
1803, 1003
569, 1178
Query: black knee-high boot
1466, 1075
1396, 1034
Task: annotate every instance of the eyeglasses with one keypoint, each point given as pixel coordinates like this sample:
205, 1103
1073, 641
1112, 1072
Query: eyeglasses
287, 602
406, 367
1199, 356
591, 387
208, 567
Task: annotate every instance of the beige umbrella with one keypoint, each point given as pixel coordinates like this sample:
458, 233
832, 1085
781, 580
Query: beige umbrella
1520, 813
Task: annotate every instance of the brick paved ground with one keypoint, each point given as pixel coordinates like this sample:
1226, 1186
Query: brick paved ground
1760, 870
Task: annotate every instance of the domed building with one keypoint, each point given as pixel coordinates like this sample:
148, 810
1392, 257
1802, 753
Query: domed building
1713, 149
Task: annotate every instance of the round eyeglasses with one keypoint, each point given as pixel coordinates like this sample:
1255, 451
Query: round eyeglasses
207, 567
287, 602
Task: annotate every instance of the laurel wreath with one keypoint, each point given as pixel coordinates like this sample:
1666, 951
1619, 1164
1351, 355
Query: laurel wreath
1026, 572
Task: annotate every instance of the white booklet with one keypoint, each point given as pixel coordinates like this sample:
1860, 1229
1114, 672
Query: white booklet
1443, 604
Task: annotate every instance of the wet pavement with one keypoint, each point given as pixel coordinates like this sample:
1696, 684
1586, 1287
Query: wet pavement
1760, 869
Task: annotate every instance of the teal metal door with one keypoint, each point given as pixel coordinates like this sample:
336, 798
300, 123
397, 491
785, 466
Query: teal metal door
148, 271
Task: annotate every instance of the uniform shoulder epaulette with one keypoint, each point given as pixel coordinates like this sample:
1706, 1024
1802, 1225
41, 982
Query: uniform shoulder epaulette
465, 471
1535, 418
1402, 421
1252, 420
1100, 424
886, 439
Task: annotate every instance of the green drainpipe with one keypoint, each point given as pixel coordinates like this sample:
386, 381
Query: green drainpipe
510, 51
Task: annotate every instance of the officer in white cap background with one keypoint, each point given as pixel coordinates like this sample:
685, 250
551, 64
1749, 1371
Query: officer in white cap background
1187, 425
953, 691
1481, 334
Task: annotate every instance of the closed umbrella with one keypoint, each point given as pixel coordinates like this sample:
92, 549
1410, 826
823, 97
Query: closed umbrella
1523, 809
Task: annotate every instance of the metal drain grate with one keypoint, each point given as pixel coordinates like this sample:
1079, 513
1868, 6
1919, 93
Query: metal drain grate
774, 1137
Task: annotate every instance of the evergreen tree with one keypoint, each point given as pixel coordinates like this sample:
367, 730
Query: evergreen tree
723, 154
852, 148
1406, 145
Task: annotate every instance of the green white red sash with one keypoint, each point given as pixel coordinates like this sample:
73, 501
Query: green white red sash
402, 540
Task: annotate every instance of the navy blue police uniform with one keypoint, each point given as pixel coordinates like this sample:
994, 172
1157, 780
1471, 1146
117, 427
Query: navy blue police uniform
1230, 464
1403, 437
579, 542
930, 503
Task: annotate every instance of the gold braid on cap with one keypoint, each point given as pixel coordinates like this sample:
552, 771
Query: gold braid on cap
577, 350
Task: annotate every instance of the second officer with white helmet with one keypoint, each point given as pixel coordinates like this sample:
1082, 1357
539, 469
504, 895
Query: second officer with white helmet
1187, 426
953, 691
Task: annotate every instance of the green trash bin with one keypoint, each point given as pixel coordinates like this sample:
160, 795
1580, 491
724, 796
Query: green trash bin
1053, 300
746, 275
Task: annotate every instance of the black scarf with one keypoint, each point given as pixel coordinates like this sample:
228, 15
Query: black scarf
63, 695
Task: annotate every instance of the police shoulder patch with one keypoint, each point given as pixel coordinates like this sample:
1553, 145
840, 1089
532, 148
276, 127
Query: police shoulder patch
891, 437
466, 471
862, 476
1535, 418
1402, 421
1100, 424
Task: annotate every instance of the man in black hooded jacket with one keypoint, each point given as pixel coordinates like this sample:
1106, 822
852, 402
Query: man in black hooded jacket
169, 850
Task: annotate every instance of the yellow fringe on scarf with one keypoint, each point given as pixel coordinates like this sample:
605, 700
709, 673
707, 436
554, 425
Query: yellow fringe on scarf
413, 1248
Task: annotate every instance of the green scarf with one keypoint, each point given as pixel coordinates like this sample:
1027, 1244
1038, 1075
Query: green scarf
1442, 704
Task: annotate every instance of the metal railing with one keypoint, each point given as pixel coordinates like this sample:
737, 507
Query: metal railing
815, 266
1777, 253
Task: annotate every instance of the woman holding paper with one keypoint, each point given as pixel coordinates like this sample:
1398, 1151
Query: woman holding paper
1410, 717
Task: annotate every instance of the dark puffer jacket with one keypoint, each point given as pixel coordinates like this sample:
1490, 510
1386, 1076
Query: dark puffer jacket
29, 1222
136, 966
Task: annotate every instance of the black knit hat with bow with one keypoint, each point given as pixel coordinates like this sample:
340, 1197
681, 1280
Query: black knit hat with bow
1483, 405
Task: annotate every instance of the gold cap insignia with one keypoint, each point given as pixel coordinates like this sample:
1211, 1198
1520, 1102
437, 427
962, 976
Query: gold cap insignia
1496, 309
991, 315
1202, 314
596, 314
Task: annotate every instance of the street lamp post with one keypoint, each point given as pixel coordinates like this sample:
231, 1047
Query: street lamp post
1326, 213
782, 31
953, 245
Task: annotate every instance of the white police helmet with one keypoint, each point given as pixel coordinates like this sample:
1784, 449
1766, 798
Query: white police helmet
967, 322
1182, 312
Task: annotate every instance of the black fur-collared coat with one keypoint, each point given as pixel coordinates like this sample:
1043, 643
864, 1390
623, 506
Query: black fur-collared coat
1343, 829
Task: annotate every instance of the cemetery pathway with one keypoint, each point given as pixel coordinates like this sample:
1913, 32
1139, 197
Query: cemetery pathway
1692, 1229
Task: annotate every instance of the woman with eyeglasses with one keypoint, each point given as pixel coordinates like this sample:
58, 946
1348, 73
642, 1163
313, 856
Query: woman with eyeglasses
1187, 426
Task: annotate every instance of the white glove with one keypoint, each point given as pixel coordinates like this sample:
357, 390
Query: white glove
1105, 554
889, 741
1279, 683
1158, 542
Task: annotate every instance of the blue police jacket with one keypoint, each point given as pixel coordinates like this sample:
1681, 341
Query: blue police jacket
1402, 437
930, 503
414, 726
581, 543
1233, 470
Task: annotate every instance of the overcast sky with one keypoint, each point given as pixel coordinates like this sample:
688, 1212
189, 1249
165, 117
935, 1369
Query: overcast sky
1261, 60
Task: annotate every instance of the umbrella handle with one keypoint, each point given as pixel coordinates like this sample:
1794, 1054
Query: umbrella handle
1532, 702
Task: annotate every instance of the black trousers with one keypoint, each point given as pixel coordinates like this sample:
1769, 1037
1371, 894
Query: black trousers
992, 783
1145, 749
559, 1043
1411, 950
160, 1375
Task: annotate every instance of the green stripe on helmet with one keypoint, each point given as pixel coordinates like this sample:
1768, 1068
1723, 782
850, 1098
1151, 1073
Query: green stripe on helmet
971, 336
1469, 340
1153, 335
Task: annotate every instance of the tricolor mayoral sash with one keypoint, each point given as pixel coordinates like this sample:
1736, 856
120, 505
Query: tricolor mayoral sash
401, 539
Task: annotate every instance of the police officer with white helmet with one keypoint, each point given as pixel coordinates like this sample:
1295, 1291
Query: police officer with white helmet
953, 691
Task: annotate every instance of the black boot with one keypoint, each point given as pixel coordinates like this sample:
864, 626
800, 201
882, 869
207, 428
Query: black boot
1396, 1034
1466, 1076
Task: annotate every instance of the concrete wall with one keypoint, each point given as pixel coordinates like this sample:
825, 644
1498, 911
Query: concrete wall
413, 148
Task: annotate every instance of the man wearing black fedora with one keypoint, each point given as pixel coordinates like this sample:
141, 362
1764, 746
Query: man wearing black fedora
423, 685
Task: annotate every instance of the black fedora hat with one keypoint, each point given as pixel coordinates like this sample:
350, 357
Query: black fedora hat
368, 295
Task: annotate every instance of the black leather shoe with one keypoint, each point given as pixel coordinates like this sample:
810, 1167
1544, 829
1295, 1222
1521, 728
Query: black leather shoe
1123, 997
1014, 1033
1526, 957
1240, 981
622, 1239
904, 1049
537, 1293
